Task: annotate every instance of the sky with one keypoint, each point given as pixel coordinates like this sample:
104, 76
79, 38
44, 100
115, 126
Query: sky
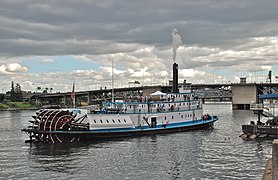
51, 44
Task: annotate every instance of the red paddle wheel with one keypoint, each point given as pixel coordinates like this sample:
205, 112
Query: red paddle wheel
50, 125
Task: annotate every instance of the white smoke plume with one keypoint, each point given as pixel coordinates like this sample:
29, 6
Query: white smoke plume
176, 42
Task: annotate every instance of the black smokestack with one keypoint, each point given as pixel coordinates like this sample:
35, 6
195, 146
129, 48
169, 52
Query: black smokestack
269, 76
175, 78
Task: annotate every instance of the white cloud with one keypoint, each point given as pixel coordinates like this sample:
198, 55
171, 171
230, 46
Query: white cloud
47, 61
12, 68
139, 74
191, 73
15, 67
3, 69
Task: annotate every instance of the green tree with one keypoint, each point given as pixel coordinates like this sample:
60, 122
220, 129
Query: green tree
2, 97
12, 94
18, 93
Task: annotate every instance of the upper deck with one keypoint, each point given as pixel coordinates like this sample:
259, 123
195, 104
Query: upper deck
159, 103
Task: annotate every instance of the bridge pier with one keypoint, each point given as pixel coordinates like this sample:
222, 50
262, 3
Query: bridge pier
244, 95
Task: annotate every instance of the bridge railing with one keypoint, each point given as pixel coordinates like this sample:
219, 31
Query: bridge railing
254, 106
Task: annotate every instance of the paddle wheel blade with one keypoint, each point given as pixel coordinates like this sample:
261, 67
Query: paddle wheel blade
47, 122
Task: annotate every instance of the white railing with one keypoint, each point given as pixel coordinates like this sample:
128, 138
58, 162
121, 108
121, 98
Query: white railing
254, 106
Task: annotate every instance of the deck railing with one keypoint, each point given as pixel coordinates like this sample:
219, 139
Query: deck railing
254, 106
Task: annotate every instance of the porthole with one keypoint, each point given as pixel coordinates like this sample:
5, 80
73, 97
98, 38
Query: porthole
100, 121
124, 120
119, 120
107, 121
113, 120
95, 121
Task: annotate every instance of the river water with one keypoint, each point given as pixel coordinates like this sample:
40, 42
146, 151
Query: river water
204, 154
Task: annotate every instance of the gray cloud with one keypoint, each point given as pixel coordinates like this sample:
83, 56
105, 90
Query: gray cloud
54, 25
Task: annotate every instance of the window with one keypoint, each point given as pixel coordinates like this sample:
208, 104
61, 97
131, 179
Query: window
107, 121
124, 120
119, 120
95, 121
181, 116
113, 120
172, 117
100, 121
165, 118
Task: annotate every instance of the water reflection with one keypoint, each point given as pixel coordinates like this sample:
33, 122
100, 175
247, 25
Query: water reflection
53, 150
60, 158
174, 161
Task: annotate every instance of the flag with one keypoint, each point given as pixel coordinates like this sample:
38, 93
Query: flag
73, 95
72, 92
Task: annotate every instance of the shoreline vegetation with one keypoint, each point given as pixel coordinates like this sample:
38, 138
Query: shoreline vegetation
10, 106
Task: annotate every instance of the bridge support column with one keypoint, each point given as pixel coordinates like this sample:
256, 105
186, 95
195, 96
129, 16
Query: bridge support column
90, 98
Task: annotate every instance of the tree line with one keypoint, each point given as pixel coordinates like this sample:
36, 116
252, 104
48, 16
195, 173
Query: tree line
14, 95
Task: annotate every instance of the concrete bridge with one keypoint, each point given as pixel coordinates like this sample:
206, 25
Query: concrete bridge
241, 94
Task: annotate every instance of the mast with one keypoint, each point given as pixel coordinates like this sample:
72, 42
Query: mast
113, 99
73, 95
